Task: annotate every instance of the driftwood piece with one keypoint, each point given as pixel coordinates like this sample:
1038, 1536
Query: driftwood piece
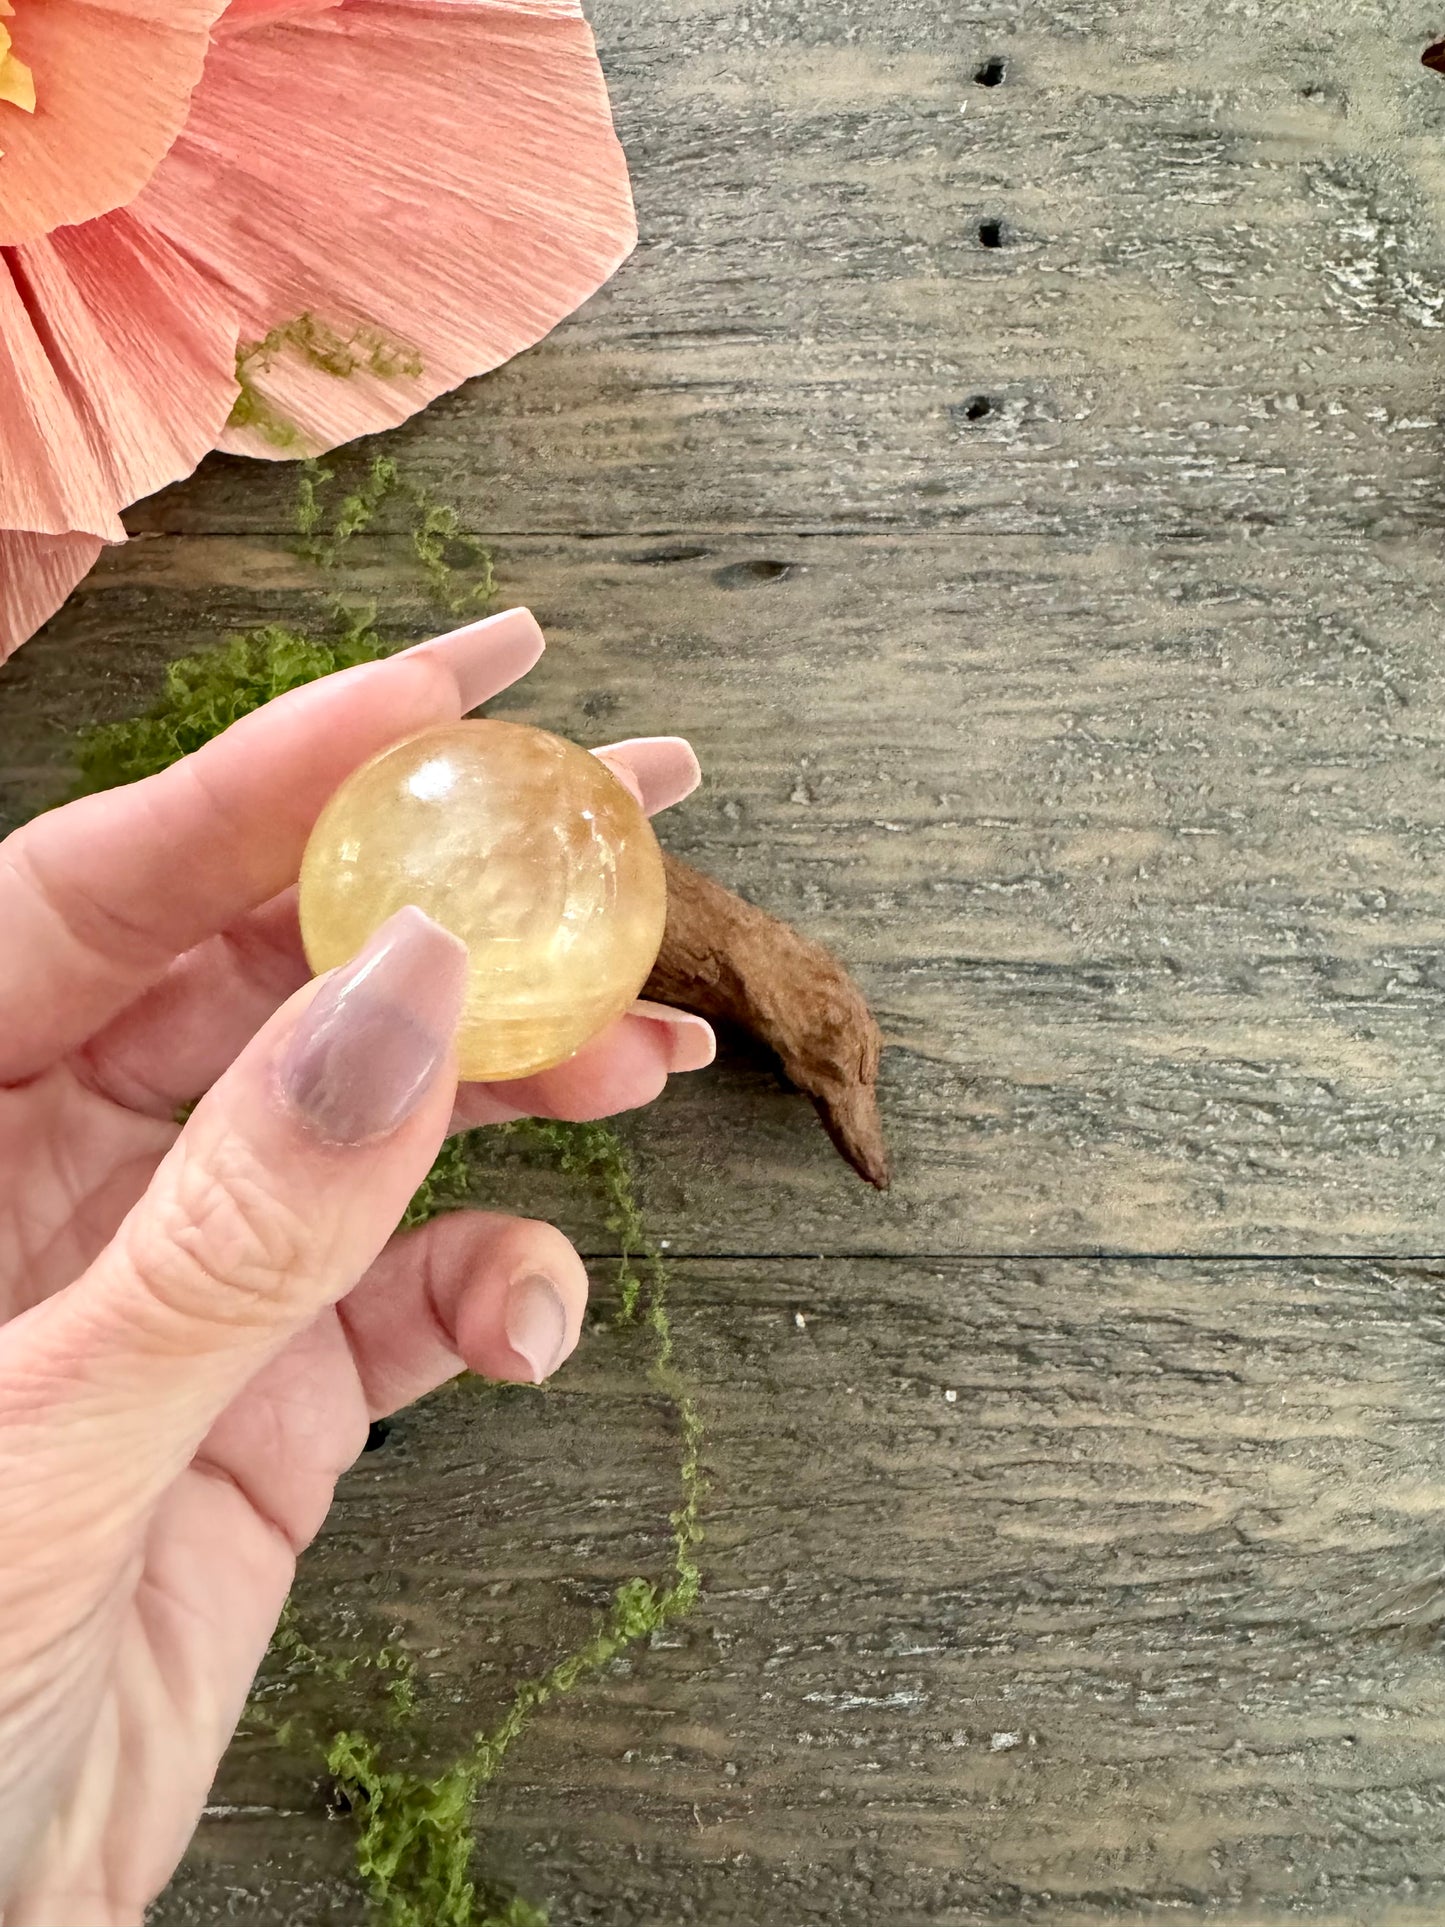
724, 958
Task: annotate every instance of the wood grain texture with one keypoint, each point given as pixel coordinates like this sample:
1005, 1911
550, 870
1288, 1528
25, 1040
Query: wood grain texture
1058, 621
1215, 303
1063, 1591
1137, 851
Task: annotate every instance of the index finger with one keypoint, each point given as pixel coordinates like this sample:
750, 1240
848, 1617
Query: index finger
98, 898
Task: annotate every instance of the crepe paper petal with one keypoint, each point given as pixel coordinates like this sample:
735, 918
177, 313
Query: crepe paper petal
242, 15
113, 80
117, 373
384, 232
37, 573
49, 482
370, 202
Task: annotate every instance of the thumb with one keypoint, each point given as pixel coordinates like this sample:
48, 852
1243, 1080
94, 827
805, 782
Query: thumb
289, 1177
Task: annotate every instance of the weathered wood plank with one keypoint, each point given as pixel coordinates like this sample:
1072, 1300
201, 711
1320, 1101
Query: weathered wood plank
1216, 300
1044, 1590
1096, 577
1137, 849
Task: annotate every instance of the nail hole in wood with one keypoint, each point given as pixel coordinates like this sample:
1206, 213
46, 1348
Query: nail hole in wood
991, 73
738, 575
990, 234
977, 408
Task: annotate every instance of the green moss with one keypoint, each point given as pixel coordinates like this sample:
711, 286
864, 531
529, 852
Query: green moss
354, 513
449, 1183
455, 566
415, 1845
416, 1827
205, 693
364, 351
462, 587
594, 1153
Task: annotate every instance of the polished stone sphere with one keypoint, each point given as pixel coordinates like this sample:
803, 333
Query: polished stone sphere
524, 846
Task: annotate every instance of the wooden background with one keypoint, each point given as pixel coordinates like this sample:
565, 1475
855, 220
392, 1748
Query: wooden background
1029, 497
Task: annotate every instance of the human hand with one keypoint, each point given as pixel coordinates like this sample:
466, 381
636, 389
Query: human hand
197, 1324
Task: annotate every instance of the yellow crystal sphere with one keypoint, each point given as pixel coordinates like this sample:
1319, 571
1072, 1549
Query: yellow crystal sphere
524, 846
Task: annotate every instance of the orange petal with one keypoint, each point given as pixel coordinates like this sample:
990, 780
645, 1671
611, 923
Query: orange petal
434, 188
37, 573
429, 189
113, 79
241, 15
49, 480
117, 373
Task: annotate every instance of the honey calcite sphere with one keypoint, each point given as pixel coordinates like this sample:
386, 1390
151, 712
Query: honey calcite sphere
524, 846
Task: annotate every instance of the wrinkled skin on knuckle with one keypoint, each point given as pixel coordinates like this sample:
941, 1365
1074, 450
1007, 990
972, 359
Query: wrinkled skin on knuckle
221, 1242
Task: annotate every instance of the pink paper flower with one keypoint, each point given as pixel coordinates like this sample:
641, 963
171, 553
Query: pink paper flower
359, 203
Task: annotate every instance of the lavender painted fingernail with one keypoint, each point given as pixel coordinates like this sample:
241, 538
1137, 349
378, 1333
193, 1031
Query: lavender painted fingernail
370, 1042
535, 1321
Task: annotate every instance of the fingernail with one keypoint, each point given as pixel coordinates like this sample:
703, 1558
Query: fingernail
691, 1044
624, 776
487, 657
663, 769
535, 1322
375, 1035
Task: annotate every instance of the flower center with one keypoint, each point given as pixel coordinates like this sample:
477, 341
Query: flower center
17, 83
